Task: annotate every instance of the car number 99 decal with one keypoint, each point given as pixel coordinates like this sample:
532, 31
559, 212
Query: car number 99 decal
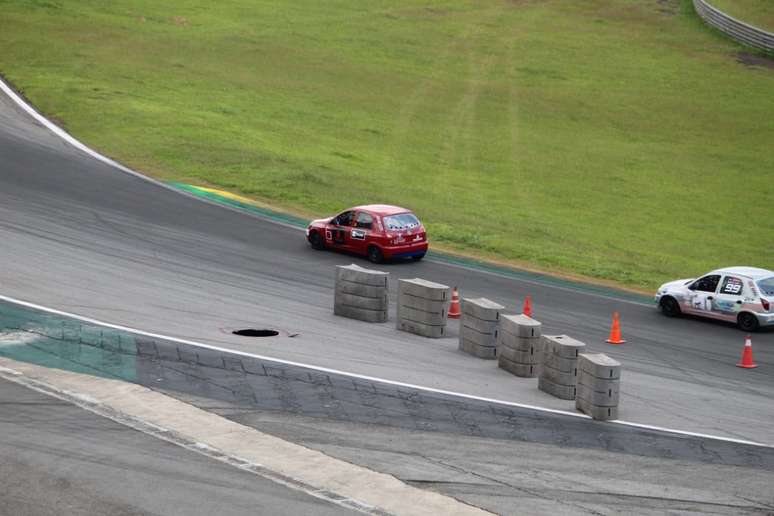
732, 286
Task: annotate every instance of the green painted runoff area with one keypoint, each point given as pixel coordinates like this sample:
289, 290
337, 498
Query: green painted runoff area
614, 139
758, 13
54, 341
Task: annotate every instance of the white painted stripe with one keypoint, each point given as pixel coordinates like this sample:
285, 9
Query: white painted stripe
690, 434
61, 133
374, 379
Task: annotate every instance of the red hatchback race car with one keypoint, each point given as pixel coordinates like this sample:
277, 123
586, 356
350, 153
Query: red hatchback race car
378, 231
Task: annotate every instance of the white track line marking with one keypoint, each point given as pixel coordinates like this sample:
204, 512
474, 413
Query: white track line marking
373, 378
61, 133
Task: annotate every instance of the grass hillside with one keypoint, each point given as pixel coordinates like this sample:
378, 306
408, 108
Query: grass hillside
759, 13
616, 139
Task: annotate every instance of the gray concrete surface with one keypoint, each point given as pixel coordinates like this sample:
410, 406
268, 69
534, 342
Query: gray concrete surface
512, 477
541, 464
56, 458
80, 236
188, 373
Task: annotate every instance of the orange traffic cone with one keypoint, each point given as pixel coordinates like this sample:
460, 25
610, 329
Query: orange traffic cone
454, 309
747, 360
615, 331
527, 307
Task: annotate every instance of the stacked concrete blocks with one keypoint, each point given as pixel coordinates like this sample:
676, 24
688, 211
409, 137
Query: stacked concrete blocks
599, 377
423, 307
479, 327
361, 293
559, 374
519, 349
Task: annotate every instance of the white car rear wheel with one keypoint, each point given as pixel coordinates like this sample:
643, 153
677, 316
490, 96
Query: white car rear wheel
747, 322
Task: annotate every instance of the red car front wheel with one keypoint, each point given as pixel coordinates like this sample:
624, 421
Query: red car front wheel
316, 240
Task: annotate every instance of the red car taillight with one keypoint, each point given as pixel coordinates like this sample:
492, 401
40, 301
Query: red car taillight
765, 304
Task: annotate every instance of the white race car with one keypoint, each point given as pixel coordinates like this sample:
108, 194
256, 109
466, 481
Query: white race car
744, 295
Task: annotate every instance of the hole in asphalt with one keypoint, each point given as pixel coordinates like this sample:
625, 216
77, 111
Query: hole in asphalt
250, 332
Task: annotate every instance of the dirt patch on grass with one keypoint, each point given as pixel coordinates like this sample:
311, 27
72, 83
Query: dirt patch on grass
181, 21
668, 7
748, 59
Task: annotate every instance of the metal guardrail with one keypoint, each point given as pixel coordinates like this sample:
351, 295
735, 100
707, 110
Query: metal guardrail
742, 32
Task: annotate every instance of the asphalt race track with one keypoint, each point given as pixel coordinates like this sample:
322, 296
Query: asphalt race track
80, 236
83, 237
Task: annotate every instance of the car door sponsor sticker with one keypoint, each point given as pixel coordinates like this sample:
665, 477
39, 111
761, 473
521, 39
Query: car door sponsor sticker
358, 234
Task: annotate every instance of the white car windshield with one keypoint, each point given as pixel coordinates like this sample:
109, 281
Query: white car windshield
766, 286
401, 222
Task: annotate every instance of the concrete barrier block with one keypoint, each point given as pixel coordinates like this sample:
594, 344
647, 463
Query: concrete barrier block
474, 349
565, 365
596, 412
559, 377
425, 330
598, 384
565, 392
507, 340
482, 339
523, 370
425, 289
520, 325
362, 314
425, 305
480, 325
608, 398
482, 308
357, 274
359, 289
520, 357
420, 316
563, 346
369, 303
599, 365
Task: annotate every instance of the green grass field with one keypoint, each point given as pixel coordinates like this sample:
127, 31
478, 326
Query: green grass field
614, 139
759, 13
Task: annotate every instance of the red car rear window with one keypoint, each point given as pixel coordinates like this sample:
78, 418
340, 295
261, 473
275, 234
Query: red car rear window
401, 221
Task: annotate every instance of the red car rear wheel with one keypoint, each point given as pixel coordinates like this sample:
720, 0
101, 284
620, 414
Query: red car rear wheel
375, 254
